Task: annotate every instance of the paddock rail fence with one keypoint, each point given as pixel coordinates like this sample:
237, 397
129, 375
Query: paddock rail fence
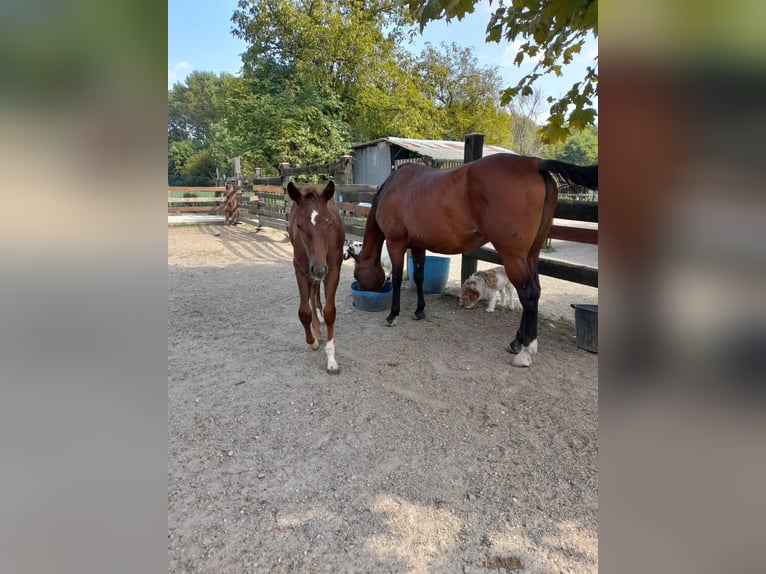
264, 202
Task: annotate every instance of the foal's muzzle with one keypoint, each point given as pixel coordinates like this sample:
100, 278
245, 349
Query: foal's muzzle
318, 272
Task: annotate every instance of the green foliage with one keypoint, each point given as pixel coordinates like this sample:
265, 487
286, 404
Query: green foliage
189, 164
580, 148
301, 127
320, 75
199, 169
324, 47
194, 105
394, 103
464, 95
179, 153
553, 30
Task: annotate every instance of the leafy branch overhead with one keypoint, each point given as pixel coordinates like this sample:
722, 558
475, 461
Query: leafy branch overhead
319, 76
552, 32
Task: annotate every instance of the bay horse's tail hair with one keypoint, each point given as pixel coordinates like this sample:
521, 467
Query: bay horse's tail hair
586, 176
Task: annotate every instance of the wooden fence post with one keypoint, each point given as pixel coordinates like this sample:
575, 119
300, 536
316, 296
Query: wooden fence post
237, 174
285, 180
346, 173
473, 149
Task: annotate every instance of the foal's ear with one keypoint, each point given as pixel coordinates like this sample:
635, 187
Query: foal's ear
328, 190
293, 192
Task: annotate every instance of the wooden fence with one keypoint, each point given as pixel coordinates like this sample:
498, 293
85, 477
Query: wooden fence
264, 202
194, 199
565, 209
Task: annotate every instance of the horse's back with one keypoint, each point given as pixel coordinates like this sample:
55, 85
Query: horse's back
459, 209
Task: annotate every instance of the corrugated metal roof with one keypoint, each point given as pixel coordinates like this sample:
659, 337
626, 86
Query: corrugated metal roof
436, 149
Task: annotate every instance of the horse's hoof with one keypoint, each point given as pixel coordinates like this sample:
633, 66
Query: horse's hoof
523, 359
514, 347
419, 315
315, 345
390, 322
333, 370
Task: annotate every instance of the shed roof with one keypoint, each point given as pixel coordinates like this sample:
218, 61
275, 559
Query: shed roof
436, 149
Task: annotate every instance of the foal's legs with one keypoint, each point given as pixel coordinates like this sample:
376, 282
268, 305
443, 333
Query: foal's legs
330, 287
318, 305
305, 313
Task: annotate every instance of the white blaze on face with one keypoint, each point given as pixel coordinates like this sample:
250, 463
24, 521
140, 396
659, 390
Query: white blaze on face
314, 214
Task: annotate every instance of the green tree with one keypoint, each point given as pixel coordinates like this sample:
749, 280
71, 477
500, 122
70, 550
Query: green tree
301, 127
197, 121
179, 153
580, 148
199, 170
465, 94
194, 105
320, 47
394, 103
554, 30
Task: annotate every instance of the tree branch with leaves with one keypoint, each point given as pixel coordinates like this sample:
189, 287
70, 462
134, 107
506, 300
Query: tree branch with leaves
554, 32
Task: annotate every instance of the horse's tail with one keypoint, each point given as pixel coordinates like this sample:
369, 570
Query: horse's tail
586, 176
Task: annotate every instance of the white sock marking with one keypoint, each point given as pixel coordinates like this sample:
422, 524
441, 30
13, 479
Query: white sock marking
524, 357
329, 349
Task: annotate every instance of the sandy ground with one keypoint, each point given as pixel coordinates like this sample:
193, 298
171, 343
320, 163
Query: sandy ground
427, 453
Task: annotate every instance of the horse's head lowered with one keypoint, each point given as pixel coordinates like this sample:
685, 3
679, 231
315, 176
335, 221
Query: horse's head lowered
312, 225
368, 271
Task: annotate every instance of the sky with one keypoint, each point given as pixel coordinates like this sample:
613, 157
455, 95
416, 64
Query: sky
200, 38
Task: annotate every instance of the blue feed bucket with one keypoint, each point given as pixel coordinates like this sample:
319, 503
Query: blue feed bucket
435, 273
372, 300
586, 323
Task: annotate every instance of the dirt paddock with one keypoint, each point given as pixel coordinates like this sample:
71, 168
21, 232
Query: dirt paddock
427, 453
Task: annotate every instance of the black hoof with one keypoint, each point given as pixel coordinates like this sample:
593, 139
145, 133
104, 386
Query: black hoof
514, 347
391, 320
419, 315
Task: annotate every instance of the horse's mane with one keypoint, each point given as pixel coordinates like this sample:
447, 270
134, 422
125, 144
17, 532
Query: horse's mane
380, 188
373, 234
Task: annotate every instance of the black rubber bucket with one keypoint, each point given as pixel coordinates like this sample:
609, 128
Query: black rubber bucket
586, 323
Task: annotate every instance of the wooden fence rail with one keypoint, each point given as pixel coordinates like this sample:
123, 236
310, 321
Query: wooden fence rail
565, 209
265, 202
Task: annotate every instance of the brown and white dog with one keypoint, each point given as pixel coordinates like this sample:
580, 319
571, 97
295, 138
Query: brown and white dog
489, 285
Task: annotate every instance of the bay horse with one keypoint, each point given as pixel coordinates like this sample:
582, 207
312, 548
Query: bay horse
316, 234
506, 199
